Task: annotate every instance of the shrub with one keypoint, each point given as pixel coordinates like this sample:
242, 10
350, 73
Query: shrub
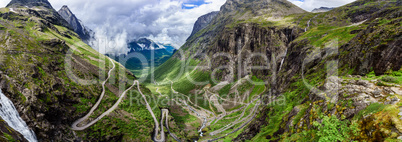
389, 79
332, 129
383, 84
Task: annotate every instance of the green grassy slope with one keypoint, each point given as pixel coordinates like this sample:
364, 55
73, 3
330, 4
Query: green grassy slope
36, 60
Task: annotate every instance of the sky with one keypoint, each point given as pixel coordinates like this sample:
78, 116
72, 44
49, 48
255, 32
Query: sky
166, 21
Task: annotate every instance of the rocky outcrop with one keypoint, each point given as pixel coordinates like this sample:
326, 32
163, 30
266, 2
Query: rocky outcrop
321, 9
203, 22
75, 23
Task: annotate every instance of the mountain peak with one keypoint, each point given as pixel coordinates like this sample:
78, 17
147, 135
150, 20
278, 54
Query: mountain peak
65, 8
322, 9
46, 11
203, 22
147, 44
30, 3
76, 24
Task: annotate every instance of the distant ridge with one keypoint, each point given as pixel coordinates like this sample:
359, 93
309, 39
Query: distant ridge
30, 3
322, 9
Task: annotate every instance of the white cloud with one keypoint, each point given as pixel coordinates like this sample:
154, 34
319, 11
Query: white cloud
161, 20
3, 3
189, 5
297, 2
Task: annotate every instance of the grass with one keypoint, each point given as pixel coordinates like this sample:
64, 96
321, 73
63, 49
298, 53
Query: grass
225, 90
390, 78
320, 35
371, 109
182, 119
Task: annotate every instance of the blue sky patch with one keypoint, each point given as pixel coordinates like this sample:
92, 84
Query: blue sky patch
193, 4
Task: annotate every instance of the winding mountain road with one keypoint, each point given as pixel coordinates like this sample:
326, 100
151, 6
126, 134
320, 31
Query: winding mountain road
165, 114
136, 82
239, 120
74, 126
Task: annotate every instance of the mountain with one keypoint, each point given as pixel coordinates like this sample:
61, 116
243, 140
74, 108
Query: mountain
314, 73
147, 44
76, 24
203, 22
53, 79
29, 3
261, 70
39, 8
322, 9
154, 53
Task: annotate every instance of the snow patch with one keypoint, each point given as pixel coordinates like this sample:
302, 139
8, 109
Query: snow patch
12, 10
142, 45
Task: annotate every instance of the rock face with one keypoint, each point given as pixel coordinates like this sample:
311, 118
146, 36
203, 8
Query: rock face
75, 23
321, 9
222, 35
203, 22
8, 134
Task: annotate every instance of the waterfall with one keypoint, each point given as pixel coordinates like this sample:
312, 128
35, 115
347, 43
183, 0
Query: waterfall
10, 115
280, 67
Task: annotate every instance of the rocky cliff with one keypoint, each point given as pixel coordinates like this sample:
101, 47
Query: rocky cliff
203, 22
75, 23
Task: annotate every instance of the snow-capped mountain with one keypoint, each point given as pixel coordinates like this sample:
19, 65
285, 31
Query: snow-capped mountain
147, 44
